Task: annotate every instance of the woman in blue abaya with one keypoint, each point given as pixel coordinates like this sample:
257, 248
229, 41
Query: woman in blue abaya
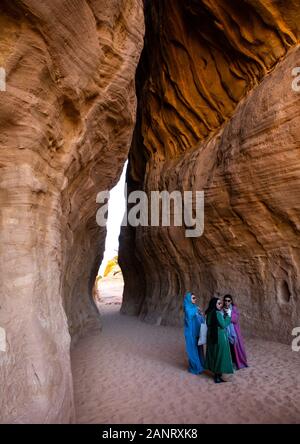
192, 322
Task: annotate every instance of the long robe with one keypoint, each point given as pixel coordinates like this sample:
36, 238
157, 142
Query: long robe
218, 356
192, 322
238, 349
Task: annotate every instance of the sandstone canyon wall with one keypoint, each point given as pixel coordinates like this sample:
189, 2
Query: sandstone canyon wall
66, 122
217, 113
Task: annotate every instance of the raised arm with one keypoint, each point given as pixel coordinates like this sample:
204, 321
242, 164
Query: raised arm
223, 322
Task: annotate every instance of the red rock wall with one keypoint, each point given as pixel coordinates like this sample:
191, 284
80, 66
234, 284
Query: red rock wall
66, 123
217, 113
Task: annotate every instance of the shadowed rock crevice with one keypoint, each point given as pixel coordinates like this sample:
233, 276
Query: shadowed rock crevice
200, 59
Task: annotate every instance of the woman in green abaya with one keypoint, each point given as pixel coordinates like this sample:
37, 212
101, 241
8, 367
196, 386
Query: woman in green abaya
218, 356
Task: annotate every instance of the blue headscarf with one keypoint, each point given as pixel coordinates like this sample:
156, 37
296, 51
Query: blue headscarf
191, 332
190, 309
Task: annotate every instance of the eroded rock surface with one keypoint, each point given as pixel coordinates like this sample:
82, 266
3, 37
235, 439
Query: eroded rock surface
217, 113
66, 123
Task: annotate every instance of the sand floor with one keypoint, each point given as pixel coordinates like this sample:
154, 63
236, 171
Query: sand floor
136, 373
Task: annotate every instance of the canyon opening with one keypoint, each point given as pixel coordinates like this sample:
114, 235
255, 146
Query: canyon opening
171, 98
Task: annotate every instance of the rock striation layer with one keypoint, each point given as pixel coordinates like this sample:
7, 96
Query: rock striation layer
66, 122
217, 112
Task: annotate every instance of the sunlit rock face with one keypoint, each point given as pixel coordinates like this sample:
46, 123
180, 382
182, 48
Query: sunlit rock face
66, 122
217, 112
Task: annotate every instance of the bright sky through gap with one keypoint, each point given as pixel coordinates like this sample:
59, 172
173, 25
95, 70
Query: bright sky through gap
116, 210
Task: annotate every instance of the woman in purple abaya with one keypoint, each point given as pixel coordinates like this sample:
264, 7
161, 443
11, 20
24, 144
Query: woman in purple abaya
236, 341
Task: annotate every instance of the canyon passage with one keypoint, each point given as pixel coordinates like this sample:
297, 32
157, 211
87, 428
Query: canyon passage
197, 95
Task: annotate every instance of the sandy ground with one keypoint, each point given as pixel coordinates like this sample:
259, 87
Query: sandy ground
136, 373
